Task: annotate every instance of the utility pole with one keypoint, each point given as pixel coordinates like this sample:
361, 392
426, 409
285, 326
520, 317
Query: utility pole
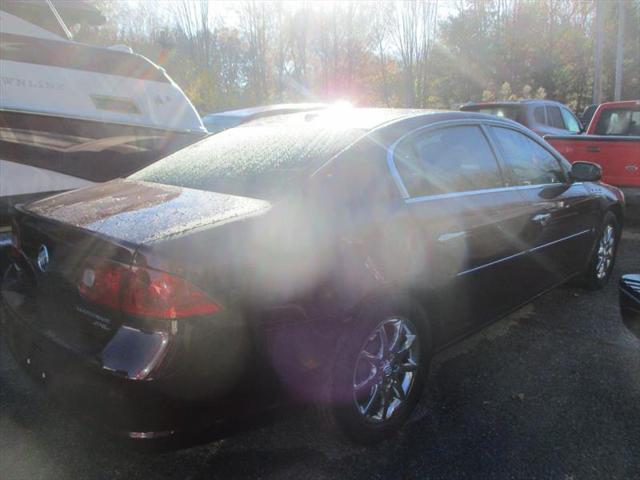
597, 60
619, 52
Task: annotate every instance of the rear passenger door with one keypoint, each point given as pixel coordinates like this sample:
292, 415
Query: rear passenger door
467, 221
555, 120
571, 122
561, 214
540, 121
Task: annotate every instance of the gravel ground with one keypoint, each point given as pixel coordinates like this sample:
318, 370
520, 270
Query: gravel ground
552, 391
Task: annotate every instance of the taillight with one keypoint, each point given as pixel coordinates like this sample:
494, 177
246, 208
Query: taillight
152, 293
142, 292
101, 282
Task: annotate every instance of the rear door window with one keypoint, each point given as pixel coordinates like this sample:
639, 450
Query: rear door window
538, 115
554, 117
528, 163
570, 121
453, 159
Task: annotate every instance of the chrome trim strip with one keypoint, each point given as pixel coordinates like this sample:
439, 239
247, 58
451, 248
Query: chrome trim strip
510, 257
524, 252
394, 170
568, 237
428, 198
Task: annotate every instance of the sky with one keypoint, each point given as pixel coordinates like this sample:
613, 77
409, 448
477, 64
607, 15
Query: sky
227, 10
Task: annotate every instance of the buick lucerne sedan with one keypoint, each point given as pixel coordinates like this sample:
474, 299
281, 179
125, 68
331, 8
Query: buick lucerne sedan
313, 258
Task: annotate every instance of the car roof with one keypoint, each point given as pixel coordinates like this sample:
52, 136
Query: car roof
366, 119
344, 117
513, 103
348, 117
249, 112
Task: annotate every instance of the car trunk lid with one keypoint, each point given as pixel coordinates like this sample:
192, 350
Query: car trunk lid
137, 213
44, 290
57, 237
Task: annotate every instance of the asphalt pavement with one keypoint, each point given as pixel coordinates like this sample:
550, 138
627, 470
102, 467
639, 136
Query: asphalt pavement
552, 391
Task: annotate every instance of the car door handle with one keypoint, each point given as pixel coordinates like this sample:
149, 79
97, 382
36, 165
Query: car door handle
541, 218
593, 149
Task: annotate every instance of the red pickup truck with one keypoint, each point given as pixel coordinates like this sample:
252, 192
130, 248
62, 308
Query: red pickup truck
612, 140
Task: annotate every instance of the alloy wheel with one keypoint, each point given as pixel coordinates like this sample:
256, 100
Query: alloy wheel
385, 369
605, 252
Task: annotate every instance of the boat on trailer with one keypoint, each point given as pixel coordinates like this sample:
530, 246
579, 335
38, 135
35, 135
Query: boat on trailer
73, 114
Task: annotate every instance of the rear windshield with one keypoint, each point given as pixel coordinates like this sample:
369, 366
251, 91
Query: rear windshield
255, 160
504, 111
617, 121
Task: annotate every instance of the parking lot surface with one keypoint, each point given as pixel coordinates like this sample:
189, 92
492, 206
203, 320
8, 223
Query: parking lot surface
552, 391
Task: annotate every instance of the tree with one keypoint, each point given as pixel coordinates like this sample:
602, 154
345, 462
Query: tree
385, 53
414, 32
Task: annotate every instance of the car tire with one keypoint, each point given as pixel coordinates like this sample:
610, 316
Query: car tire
604, 254
379, 372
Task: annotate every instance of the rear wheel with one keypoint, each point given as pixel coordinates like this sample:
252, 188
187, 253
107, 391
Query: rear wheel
604, 255
380, 372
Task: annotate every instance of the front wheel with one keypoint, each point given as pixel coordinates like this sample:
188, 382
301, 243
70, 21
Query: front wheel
380, 372
604, 255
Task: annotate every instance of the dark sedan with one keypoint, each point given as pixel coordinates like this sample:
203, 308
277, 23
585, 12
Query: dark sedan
310, 258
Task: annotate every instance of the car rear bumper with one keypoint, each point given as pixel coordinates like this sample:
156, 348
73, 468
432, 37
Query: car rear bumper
173, 405
135, 409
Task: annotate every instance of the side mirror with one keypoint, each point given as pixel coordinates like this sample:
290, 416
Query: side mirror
586, 172
630, 302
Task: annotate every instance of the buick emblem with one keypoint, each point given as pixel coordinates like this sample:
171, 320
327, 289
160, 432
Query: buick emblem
43, 258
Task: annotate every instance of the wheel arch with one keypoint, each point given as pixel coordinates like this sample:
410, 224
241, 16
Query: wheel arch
617, 210
417, 309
